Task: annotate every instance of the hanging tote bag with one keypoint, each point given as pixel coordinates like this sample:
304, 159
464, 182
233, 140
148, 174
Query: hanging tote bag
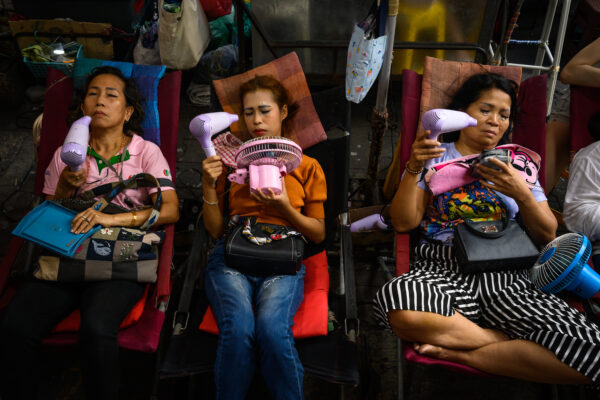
183, 33
365, 56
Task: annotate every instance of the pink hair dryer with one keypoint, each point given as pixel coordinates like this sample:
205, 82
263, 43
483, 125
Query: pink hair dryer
370, 223
441, 120
74, 149
205, 126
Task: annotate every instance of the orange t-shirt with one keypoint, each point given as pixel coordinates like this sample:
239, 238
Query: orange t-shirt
306, 189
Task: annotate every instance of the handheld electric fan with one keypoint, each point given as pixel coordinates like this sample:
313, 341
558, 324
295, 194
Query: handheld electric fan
205, 126
441, 120
74, 149
263, 161
370, 223
562, 265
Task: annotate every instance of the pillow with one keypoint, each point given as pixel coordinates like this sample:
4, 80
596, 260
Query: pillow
305, 128
146, 78
441, 79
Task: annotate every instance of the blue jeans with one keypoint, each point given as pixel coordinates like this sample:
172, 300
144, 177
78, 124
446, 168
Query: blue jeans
255, 316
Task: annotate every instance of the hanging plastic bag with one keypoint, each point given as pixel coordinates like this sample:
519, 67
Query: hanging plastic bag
183, 33
365, 56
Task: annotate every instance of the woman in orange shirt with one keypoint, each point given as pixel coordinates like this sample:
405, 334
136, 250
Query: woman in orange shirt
253, 310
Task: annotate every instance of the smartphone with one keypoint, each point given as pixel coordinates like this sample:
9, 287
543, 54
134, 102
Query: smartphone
486, 156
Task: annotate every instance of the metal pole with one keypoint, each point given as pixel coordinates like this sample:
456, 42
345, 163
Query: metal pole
379, 118
539, 58
560, 38
386, 68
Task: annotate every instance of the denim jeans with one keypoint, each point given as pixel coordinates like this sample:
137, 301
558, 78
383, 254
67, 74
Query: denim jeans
255, 316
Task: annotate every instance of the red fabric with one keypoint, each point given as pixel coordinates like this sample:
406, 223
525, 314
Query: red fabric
72, 322
530, 130
412, 356
311, 317
585, 101
411, 101
58, 99
215, 8
402, 253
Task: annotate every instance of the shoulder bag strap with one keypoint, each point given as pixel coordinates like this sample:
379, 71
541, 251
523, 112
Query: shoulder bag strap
135, 182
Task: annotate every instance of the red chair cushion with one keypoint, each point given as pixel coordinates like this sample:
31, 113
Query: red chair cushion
72, 322
311, 317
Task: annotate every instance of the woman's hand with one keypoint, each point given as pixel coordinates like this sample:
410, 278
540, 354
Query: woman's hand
212, 168
86, 220
507, 180
424, 149
280, 202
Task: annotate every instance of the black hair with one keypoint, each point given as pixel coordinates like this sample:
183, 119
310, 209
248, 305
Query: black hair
594, 126
470, 92
133, 98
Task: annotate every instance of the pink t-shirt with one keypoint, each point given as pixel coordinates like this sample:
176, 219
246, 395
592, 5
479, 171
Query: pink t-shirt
144, 156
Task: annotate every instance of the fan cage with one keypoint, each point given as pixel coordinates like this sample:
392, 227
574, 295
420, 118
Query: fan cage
552, 276
274, 150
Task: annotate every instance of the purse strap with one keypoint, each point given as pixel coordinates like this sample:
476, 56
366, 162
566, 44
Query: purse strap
135, 182
473, 227
280, 233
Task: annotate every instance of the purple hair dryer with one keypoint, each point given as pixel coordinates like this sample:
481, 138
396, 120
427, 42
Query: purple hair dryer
370, 223
74, 149
440, 120
205, 126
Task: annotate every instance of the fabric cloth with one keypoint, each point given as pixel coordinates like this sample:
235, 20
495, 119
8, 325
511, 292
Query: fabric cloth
254, 312
506, 301
146, 78
306, 189
305, 128
21, 332
581, 211
472, 201
226, 146
141, 156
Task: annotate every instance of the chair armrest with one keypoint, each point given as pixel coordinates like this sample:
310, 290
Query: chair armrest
348, 275
402, 244
163, 282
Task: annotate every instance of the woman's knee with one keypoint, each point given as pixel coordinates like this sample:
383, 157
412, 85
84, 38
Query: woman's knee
273, 333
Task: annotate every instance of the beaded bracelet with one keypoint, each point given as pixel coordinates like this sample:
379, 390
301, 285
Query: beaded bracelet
412, 171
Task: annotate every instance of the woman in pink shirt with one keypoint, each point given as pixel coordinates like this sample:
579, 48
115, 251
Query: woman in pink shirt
115, 152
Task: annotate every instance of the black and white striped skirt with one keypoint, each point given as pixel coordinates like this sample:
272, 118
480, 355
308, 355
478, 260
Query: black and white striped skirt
506, 301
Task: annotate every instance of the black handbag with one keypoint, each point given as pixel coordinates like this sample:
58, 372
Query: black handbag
280, 253
493, 246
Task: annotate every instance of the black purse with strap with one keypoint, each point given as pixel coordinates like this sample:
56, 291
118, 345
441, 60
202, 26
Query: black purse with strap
264, 249
493, 246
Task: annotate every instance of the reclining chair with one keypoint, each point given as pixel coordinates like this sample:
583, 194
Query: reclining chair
421, 93
330, 355
141, 329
